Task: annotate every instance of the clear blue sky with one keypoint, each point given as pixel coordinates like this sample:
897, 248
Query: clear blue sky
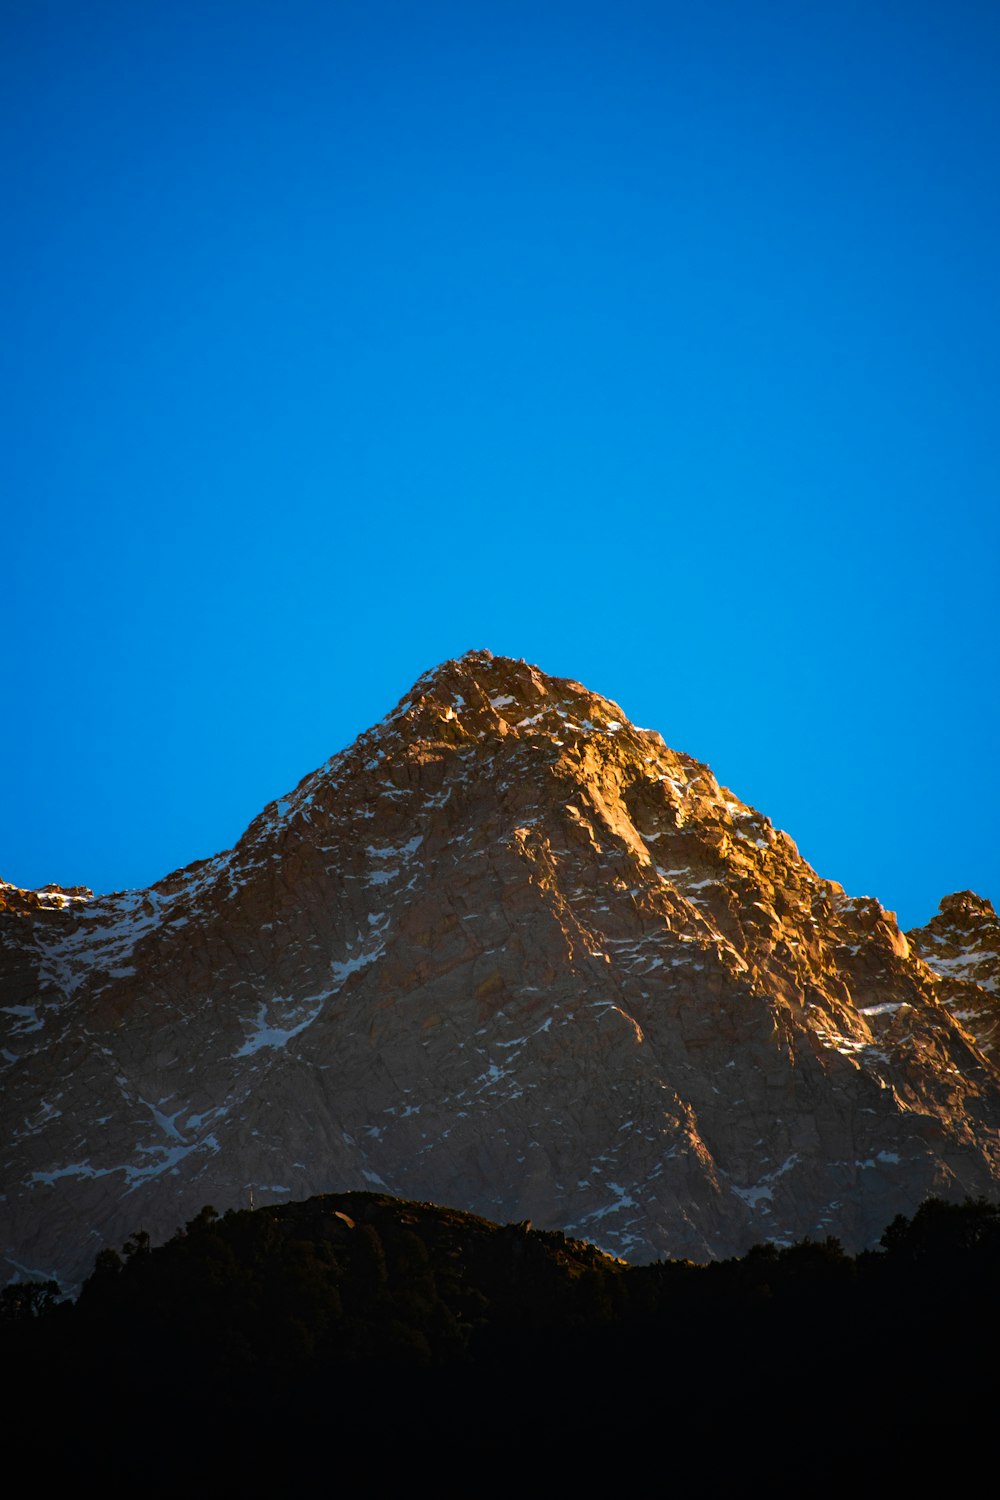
656, 343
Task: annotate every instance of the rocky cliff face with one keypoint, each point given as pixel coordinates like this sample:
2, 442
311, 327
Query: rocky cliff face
961, 946
506, 952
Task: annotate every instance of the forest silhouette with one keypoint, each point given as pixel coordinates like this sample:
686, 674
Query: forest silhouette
356, 1335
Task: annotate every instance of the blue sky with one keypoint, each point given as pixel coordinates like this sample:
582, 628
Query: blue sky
658, 344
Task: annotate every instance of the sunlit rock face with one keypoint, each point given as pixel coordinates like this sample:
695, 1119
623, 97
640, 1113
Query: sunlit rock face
961, 945
506, 952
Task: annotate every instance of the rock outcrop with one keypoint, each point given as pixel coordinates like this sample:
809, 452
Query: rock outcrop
506, 952
961, 945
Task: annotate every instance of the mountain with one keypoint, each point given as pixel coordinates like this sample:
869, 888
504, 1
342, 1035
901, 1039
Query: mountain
506, 952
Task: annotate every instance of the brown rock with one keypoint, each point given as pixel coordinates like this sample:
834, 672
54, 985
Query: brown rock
961, 946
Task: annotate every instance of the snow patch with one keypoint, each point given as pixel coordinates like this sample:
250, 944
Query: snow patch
396, 851
761, 1193
267, 1035
27, 1019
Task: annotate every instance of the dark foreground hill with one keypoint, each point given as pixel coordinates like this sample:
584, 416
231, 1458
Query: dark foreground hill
359, 1341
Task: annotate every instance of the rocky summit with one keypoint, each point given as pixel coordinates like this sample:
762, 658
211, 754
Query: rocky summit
510, 953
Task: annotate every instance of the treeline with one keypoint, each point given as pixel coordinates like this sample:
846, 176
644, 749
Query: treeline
363, 1337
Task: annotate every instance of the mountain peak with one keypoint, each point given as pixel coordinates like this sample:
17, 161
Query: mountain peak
966, 905
480, 699
506, 951
491, 689
961, 945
